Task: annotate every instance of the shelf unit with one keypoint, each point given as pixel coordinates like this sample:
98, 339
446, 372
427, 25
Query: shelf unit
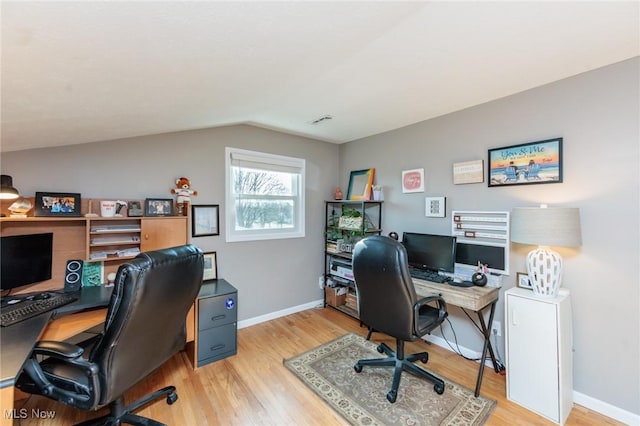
346, 222
83, 237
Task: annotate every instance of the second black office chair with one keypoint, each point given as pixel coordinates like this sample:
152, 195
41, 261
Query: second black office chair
144, 327
388, 304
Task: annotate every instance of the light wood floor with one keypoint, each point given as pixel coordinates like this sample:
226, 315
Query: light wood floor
254, 388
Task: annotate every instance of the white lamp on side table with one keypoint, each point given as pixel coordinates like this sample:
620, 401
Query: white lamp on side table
554, 226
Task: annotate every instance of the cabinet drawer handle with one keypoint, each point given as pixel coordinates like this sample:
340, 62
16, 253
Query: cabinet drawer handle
217, 347
218, 317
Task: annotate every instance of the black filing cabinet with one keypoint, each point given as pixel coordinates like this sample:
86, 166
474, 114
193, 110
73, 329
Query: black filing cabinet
217, 321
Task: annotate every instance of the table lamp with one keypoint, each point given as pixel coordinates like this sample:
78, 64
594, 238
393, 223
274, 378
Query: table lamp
7, 191
555, 226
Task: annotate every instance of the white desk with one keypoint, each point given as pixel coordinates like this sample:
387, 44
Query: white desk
474, 298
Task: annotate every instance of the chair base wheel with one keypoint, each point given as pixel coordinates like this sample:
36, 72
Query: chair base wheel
439, 389
391, 396
172, 397
357, 368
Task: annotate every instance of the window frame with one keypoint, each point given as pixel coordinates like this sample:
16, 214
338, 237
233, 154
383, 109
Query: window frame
269, 162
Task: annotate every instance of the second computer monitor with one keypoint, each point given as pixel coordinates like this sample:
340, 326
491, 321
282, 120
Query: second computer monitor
429, 251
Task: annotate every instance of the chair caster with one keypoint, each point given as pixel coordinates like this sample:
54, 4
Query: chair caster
438, 388
172, 397
357, 368
391, 396
425, 359
380, 348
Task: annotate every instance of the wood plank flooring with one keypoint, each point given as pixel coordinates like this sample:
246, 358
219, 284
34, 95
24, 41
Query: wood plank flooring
254, 388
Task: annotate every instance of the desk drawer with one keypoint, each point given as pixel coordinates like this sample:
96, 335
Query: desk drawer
217, 311
217, 343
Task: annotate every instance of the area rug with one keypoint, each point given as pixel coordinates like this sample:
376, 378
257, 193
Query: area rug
361, 397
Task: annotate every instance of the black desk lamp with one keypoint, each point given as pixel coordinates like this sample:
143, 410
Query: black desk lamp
7, 191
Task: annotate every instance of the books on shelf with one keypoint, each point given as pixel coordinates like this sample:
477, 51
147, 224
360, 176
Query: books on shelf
122, 239
116, 228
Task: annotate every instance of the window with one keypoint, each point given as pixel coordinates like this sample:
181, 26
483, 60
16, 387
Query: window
265, 196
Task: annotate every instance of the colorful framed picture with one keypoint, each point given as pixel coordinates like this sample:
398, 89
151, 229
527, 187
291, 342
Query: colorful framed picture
360, 184
412, 181
527, 163
158, 207
205, 220
56, 204
522, 280
210, 266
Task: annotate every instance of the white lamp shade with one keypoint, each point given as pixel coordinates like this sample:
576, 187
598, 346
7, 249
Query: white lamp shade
553, 226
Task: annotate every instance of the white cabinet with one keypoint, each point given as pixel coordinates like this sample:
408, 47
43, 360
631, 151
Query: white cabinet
539, 352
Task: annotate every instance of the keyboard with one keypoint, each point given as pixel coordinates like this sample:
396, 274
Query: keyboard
26, 309
432, 276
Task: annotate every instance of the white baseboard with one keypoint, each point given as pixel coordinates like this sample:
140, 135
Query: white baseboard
278, 314
578, 398
606, 409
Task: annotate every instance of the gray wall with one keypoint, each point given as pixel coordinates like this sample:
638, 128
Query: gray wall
270, 275
597, 113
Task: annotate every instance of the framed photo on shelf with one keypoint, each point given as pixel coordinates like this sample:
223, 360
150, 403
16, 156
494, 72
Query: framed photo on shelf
56, 204
526, 164
210, 266
412, 181
360, 184
522, 280
158, 207
134, 208
205, 220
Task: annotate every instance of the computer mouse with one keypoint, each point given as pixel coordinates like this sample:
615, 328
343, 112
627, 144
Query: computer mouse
458, 280
44, 295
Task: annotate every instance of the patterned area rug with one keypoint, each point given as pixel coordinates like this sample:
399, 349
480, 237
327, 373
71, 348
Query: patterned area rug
361, 397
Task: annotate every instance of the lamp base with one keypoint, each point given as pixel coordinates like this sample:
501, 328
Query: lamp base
544, 267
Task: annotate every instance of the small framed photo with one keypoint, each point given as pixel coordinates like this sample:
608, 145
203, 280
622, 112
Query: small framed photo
134, 208
158, 207
205, 220
435, 207
412, 181
56, 204
522, 280
210, 266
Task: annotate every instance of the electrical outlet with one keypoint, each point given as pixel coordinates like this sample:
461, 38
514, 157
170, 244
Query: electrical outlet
496, 328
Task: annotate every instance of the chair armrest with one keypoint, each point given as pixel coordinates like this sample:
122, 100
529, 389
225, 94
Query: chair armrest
426, 302
62, 350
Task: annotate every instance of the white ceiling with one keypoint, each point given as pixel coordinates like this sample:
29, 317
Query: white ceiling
81, 71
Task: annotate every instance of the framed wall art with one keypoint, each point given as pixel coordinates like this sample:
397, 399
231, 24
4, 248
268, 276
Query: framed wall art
158, 207
205, 220
412, 181
435, 207
57, 204
210, 266
468, 172
527, 163
360, 183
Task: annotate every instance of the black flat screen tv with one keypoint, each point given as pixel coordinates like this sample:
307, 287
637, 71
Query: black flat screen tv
430, 252
25, 259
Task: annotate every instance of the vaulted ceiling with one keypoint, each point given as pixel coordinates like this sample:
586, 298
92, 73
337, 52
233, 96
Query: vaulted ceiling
84, 71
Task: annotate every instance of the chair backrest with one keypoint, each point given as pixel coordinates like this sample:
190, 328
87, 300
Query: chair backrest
386, 295
145, 323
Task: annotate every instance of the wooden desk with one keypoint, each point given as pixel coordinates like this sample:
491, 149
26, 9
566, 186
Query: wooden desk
474, 298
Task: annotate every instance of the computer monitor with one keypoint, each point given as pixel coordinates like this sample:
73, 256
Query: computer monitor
25, 259
495, 257
431, 252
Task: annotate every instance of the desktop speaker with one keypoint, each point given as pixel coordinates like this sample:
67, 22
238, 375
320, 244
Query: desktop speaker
73, 275
479, 279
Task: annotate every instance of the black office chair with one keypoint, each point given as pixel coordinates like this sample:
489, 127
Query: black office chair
144, 327
388, 304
